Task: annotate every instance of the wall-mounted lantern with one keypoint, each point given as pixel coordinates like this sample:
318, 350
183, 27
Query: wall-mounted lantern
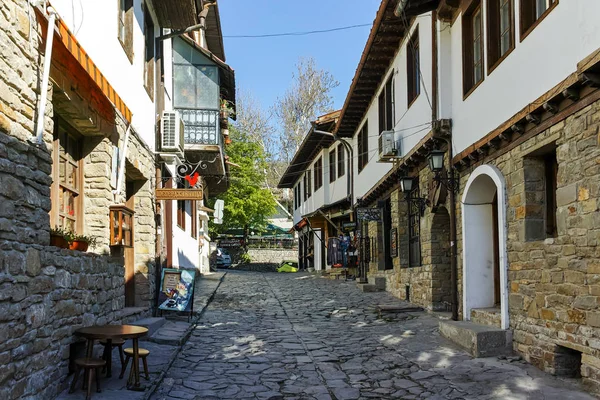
406, 185
121, 226
436, 165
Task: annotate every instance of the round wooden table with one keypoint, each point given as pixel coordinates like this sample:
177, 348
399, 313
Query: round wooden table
110, 332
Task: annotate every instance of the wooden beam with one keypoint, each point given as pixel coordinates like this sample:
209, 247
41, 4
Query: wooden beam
571, 93
533, 119
551, 107
590, 79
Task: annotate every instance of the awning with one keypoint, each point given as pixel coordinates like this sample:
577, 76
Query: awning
81, 66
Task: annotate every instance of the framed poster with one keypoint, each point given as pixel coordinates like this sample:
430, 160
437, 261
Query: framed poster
394, 242
368, 214
177, 290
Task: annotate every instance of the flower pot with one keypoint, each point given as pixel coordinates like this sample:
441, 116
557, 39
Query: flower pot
79, 245
58, 241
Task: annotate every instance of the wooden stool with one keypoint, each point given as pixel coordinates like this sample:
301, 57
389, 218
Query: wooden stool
90, 366
107, 354
143, 353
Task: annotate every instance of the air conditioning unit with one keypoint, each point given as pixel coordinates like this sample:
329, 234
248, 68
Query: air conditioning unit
171, 129
388, 146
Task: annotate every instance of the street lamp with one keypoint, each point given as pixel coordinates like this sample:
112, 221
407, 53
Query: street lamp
406, 185
436, 165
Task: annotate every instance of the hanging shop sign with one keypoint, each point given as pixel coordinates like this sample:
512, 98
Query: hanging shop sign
179, 194
368, 214
349, 226
231, 243
177, 290
394, 242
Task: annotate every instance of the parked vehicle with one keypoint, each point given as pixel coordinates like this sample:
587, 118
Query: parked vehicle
223, 258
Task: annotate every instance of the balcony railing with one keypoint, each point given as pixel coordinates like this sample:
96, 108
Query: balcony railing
201, 127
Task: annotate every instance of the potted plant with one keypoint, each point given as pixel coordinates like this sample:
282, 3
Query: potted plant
226, 110
58, 238
82, 242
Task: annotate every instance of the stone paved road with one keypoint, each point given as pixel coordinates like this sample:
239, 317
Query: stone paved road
294, 336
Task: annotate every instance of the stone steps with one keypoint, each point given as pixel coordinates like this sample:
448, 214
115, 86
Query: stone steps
487, 316
479, 340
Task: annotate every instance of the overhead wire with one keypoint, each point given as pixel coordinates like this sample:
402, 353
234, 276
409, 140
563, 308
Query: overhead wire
298, 33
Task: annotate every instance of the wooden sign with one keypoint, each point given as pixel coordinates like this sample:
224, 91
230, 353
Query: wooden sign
349, 226
394, 242
179, 194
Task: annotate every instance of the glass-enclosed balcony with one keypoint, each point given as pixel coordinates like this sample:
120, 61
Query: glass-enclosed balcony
201, 127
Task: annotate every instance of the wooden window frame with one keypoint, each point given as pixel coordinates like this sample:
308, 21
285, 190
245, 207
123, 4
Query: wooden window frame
341, 160
413, 68
469, 84
494, 35
363, 146
332, 165
149, 53
318, 173
386, 109
524, 32
309, 183
125, 22
56, 187
551, 185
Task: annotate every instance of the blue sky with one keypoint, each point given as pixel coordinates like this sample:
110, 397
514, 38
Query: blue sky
264, 66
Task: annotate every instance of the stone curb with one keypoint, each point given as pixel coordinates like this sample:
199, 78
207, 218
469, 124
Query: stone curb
187, 335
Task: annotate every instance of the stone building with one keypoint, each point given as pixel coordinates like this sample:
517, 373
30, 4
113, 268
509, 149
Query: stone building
505, 233
91, 155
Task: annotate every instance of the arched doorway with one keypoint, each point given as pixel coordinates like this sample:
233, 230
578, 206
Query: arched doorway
485, 263
440, 261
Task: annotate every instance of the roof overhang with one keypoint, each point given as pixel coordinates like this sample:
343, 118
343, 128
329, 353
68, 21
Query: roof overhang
382, 45
312, 144
176, 14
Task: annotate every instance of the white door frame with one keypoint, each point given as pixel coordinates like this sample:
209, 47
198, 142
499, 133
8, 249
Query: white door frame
475, 245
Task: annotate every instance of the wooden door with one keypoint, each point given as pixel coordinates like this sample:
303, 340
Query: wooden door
496, 239
130, 251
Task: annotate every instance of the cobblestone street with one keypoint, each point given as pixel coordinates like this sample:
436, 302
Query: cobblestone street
296, 336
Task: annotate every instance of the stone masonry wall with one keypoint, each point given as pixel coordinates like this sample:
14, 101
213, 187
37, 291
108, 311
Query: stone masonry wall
429, 284
554, 283
46, 293
275, 256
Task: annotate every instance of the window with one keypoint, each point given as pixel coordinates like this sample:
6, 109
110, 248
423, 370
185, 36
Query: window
318, 173
539, 202
125, 24
532, 12
297, 197
500, 31
149, 54
414, 230
305, 191
363, 146
551, 178
341, 162
386, 109
67, 179
332, 174
307, 184
472, 48
413, 67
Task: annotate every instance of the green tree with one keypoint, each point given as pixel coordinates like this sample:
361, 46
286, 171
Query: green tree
248, 203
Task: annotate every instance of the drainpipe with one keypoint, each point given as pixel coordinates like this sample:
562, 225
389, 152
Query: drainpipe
39, 133
201, 25
453, 266
123, 157
349, 153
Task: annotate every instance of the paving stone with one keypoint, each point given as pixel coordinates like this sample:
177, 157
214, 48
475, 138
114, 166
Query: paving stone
271, 336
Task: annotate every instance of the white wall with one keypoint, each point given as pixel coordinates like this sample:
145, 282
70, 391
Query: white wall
412, 123
186, 252
94, 24
569, 33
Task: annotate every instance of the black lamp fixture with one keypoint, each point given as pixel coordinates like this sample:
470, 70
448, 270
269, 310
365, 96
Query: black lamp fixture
436, 165
406, 186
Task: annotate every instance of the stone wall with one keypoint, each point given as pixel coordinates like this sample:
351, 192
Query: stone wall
47, 293
554, 282
272, 256
427, 285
